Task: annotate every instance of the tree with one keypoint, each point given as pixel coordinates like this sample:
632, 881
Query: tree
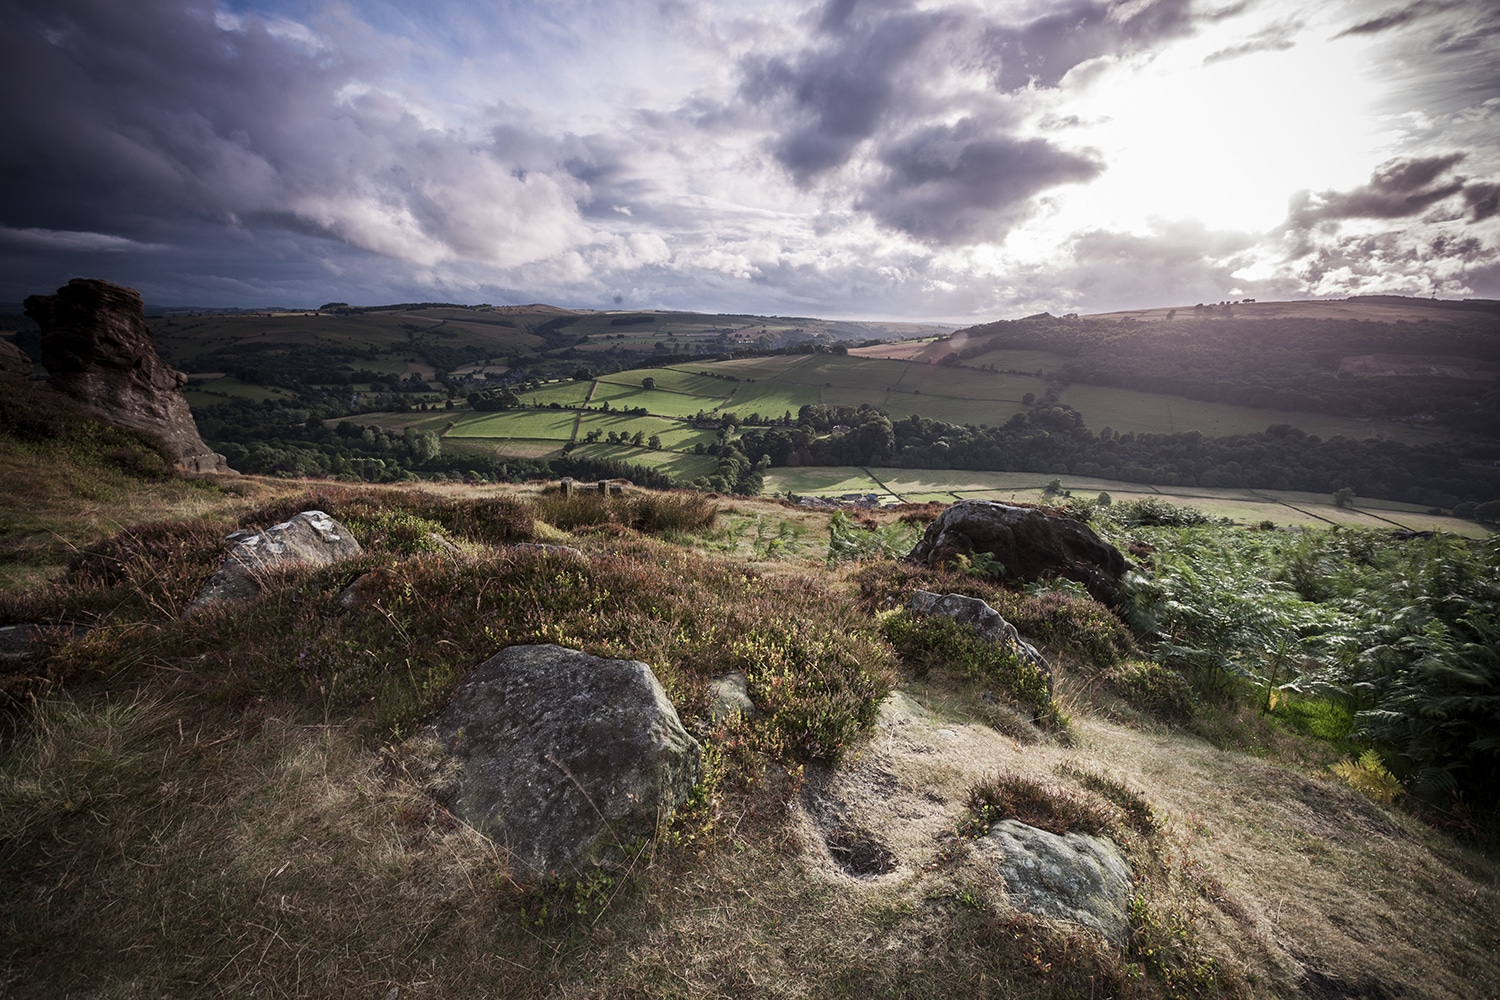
654, 442
1343, 497
1488, 511
648, 383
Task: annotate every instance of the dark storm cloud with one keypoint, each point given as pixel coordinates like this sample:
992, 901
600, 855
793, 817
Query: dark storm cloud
862, 92
166, 122
868, 61
1398, 189
959, 184
844, 88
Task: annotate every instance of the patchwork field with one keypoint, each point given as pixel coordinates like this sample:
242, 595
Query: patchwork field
1283, 508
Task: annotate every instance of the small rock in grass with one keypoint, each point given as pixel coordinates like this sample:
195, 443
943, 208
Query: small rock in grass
729, 698
565, 758
312, 539
1076, 877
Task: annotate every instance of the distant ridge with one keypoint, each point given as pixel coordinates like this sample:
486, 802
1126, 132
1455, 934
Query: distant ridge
1480, 305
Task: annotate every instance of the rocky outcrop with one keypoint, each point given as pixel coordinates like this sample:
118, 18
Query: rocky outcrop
565, 758
15, 366
1074, 876
1028, 544
986, 621
312, 539
98, 351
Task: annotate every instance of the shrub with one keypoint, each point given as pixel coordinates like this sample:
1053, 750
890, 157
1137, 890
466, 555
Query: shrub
937, 640
654, 513
396, 519
1076, 623
1368, 775
1138, 812
1151, 511
1154, 688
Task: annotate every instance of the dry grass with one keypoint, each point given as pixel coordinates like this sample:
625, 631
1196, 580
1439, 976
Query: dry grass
196, 809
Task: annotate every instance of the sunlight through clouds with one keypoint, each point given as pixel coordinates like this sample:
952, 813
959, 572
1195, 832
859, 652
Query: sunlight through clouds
929, 160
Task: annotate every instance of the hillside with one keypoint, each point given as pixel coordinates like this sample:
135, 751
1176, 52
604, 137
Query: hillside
240, 801
1394, 399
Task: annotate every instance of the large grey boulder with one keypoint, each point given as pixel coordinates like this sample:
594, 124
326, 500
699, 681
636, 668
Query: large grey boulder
312, 539
565, 758
1029, 545
986, 621
1074, 876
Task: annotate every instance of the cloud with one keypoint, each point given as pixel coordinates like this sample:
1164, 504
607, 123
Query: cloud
1398, 189
1483, 200
844, 87
916, 116
961, 184
1397, 18
51, 239
1276, 37
165, 118
1041, 52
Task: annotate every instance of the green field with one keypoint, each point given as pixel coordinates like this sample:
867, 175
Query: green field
534, 424
561, 393
769, 399
1129, 410
1021, 361
681, 466
674, 380
657, 401
1283, 508
212, 391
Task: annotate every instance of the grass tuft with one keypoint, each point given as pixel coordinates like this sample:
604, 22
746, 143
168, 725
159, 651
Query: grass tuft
1054, 808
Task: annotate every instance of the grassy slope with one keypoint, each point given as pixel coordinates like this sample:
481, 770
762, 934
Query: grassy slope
179, 823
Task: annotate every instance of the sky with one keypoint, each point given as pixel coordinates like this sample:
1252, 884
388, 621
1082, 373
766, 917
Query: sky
895, 159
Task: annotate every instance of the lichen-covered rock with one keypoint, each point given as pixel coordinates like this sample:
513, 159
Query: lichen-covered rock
1029, 545
565, 758
97, 350
1074, 876
312, 539
986, 621
729, 698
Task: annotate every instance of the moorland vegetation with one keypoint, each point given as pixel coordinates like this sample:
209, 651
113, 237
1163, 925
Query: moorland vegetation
1291, 734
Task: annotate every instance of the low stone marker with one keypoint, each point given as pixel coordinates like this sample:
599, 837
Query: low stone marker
565, 758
